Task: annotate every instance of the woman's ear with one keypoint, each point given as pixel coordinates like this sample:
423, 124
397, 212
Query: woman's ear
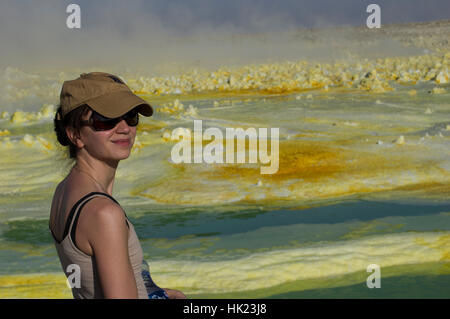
74, 137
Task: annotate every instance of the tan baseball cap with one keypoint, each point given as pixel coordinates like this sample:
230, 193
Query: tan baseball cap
105, 93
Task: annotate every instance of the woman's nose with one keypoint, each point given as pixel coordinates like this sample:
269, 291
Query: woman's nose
123, 126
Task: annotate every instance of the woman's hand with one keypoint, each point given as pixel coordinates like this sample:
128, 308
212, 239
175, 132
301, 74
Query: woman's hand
174, 294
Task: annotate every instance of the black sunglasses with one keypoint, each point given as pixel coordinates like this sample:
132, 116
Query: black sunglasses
101, 123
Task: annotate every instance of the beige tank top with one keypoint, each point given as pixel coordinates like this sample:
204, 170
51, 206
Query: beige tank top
70, 254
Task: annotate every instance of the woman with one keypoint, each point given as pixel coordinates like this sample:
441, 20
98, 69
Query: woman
97, 120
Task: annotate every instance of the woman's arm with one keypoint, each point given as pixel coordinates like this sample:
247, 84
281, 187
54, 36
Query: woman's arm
107, 234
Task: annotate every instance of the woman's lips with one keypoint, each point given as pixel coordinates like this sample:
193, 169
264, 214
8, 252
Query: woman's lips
124, 142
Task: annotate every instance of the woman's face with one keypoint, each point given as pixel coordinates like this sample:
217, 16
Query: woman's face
110, 145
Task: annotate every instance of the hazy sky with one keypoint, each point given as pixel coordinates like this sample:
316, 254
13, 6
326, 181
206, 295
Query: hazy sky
252, 14
35, 33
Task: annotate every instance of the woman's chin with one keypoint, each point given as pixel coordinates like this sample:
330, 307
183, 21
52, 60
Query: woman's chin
117, 156
123, 156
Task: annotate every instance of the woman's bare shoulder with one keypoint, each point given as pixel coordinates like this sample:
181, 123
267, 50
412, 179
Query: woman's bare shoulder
102, 210
102, 224
103, 205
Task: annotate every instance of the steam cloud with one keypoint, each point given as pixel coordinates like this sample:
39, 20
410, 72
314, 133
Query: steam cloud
155, 36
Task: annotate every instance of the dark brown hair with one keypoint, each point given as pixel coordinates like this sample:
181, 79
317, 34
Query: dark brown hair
72, 119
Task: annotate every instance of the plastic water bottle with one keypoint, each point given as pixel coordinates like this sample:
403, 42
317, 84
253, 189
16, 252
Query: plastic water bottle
153, 291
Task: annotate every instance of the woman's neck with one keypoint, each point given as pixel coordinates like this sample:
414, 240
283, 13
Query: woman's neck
100, 173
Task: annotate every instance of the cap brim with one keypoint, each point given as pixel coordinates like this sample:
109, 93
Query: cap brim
118, 103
